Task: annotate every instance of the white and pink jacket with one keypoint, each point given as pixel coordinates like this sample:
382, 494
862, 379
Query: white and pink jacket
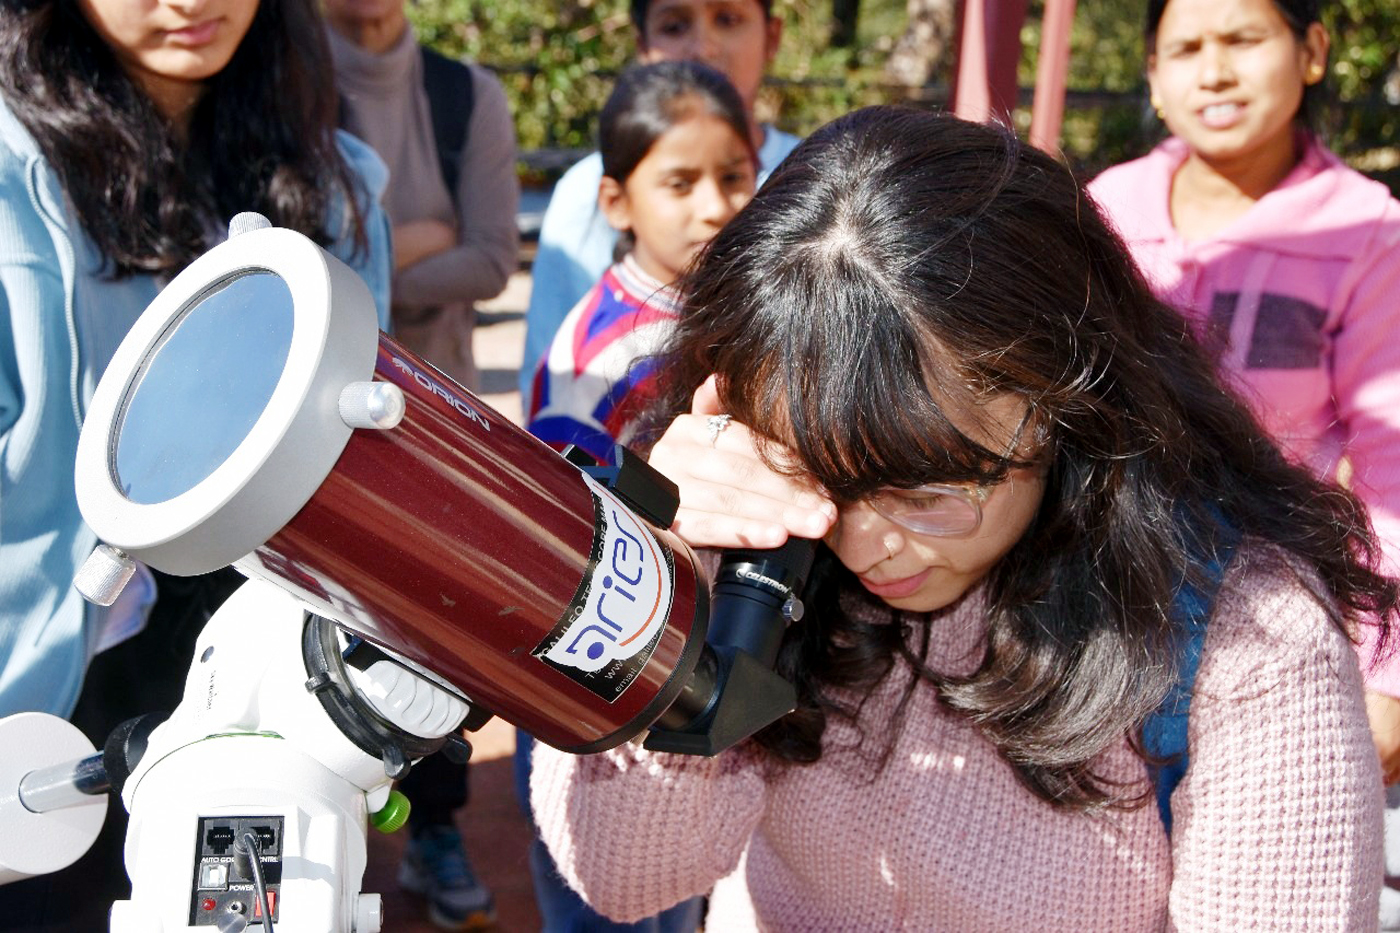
1300, 297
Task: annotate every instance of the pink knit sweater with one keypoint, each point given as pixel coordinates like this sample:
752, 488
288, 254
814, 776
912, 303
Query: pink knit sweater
1276, 823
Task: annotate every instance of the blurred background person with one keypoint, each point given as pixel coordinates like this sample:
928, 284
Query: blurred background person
1287, 261
678, 163
739, 39
445, 131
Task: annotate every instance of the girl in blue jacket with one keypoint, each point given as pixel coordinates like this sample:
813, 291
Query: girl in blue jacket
130, 132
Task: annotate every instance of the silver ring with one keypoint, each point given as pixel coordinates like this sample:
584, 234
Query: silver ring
715, 424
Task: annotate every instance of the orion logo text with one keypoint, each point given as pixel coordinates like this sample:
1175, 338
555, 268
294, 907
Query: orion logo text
441, 391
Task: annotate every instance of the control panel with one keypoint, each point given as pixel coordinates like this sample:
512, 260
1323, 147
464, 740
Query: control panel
223, 882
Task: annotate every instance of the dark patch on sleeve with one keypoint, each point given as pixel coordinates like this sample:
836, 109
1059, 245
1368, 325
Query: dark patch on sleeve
1287, 331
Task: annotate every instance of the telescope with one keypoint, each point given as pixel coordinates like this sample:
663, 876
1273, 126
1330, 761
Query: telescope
417, 565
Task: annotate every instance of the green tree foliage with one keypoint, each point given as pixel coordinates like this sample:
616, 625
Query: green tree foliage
557, 61
1364, 121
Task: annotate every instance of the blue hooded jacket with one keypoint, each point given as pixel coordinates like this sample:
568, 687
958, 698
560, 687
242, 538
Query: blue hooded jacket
60, 323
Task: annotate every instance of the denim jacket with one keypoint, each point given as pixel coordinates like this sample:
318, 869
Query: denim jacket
60, 322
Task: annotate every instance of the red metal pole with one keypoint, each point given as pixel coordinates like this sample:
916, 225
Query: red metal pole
973, 98
989, 50
1052, 69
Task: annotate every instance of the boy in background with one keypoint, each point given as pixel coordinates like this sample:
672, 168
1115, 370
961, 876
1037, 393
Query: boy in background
446, 133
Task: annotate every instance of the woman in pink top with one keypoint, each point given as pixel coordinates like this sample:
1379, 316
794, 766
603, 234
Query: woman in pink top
1286, 261
936, 357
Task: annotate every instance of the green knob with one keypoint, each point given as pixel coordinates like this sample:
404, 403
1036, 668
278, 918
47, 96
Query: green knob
393, 814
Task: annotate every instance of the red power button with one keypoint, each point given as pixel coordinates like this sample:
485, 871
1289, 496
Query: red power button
271, 904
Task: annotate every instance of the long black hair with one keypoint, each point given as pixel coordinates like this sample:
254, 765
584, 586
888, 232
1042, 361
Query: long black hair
901, 266
260, 138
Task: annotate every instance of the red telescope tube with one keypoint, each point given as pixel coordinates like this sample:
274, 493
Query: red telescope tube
465, 545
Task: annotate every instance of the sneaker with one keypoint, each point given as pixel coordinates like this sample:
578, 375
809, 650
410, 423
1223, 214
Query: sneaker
435, 866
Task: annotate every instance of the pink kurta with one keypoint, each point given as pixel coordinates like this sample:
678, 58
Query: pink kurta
1300, 297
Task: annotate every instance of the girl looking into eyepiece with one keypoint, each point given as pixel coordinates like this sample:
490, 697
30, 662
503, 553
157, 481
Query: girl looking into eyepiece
1051, 542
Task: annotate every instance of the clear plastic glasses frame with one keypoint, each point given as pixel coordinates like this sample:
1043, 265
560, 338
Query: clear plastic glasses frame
945, 511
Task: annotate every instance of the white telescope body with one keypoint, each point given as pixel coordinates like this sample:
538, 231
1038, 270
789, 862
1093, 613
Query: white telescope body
418, 564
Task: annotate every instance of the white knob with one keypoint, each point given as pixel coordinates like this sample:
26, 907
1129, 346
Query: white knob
413, 703
369, 913
245, 222
372, 405
104, 575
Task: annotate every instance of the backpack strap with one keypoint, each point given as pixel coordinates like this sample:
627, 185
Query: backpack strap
448, 84
1164, 734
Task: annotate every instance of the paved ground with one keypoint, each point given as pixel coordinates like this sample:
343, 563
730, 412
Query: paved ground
493, 825
499, 342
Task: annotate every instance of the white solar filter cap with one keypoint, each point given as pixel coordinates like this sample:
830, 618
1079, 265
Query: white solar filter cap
219, 416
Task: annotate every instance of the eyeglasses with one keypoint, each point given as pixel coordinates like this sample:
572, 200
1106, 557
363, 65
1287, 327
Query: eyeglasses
942, 509
945, 511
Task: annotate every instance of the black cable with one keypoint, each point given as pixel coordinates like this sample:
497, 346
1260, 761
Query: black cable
250, 843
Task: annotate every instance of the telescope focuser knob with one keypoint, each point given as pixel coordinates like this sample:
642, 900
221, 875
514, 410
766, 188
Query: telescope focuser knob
378, 405
246, 222
104, 575
793, 610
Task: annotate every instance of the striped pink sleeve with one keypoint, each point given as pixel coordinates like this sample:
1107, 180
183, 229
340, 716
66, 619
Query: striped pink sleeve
1277, 823
635, 832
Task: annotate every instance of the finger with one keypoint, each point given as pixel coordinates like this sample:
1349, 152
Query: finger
733, 485
736, 437
729, 497
718, 478
744, 506
730, 478
710, 529
705, 401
